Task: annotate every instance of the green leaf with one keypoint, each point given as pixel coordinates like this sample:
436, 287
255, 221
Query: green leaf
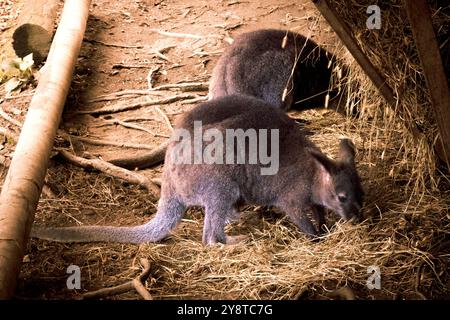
26, 63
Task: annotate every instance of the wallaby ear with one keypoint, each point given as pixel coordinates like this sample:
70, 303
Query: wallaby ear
346, 151
323, 160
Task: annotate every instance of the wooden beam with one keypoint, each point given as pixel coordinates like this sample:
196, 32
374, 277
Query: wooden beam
35, 28
23, 184
422, 27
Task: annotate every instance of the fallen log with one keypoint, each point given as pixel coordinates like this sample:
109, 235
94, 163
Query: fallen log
35, 28
23, 184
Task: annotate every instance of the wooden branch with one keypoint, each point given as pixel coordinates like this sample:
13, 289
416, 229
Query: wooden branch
136, 105
195, 100
184, 86
22, 186
137, 284
420, 19
116, 45
10, 119
146, 160
112, 170
119, 94
166, 119
100, 142
176, 35
129, 125
35, 28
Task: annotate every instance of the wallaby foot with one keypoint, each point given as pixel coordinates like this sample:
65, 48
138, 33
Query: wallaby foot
318, 214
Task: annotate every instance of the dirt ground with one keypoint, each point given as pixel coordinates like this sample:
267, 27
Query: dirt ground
123, 50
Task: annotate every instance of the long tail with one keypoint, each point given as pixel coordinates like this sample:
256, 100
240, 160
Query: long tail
146, 160
155, 230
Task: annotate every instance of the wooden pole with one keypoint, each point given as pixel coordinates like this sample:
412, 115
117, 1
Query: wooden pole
422, 27
35, 27
23, 183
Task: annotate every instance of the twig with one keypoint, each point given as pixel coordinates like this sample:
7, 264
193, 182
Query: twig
121, 107
146, 160
117, 95
24, 95
130, 125
112, 170
176, 34
128, 66
99, 142
8, 118
195, 100
138, 119
166, 119
184, 86
160, 55
150, 76
136, 284
205, 53
8, 134
114, 44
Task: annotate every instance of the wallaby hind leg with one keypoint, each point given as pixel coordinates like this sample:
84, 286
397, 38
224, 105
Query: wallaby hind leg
215, 220
213, 227
170, 212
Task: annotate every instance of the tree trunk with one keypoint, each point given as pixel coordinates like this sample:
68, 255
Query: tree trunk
23, 183
35, 27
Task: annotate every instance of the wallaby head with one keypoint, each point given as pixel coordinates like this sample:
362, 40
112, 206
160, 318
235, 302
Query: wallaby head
338, 184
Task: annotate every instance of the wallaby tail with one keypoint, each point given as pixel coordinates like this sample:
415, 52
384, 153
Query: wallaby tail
166, 219
149, 159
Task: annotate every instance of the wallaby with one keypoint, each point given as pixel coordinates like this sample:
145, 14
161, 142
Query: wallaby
286, 69
304, 181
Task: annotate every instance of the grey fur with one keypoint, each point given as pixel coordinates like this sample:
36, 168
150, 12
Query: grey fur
307, 180
256, 64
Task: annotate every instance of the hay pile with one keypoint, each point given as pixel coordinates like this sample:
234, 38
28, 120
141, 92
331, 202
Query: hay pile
405, 232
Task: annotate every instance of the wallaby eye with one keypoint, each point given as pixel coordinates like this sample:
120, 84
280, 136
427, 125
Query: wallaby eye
342, 198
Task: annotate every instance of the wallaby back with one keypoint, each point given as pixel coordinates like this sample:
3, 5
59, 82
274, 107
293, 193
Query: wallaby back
285, 69
305, 180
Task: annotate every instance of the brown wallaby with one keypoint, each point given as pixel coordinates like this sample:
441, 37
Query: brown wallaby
286, 69
301, 181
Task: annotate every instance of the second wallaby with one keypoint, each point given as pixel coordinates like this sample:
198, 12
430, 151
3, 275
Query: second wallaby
284, 68
302, 182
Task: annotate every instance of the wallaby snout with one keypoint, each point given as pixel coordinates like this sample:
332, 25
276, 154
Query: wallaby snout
339, 186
